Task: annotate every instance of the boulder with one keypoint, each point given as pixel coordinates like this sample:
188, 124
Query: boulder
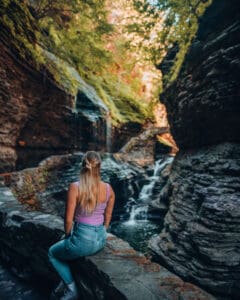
141, 149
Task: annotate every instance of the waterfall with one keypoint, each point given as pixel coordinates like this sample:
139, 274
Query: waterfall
145, 194
138, 209
137, 212
108, 132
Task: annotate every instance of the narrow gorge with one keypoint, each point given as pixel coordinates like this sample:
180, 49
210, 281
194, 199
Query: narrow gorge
174, 164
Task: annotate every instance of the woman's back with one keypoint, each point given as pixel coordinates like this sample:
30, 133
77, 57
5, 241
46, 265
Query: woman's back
89, 204
97, 216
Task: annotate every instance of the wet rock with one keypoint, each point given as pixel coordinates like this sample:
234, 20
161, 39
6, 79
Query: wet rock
160, 200
11, 287
116, 272
142, 148
201, 231
39, 118
46, 186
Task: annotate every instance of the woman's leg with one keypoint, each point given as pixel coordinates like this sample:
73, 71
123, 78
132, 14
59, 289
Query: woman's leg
58, 255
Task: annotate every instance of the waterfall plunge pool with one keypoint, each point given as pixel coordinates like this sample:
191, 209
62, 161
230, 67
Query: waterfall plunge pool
137, 226
136, 233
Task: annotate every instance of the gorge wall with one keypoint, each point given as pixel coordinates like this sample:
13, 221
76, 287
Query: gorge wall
39, 118
40, 114
35, 113
200, 240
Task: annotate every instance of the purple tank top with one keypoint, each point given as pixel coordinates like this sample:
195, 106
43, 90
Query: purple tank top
97, 216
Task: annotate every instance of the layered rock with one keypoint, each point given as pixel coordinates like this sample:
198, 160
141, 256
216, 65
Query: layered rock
201, 234
203, 103
142, 148
47, 108
116, 272
25, 121
40, 118
201, 231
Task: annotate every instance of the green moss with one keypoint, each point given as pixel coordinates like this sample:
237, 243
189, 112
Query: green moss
125, 105
19, 31
183, 33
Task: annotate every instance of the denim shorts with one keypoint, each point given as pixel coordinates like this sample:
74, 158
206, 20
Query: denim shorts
86, 239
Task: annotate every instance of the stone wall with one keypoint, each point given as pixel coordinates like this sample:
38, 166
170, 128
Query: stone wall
200, 240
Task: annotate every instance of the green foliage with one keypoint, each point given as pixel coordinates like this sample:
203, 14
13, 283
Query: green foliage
179, 19
73, 30
77, 32
181, 24
124, 104
19, 31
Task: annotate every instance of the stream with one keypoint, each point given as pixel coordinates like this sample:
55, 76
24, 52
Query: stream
13, 288
136, 225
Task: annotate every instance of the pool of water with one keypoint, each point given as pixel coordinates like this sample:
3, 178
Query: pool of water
136, 232
13, 288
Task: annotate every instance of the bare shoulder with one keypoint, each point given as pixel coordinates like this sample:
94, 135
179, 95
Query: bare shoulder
111, 189
73, 186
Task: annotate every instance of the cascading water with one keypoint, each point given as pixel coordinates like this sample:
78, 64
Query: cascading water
140, 208
138, 228
108, 132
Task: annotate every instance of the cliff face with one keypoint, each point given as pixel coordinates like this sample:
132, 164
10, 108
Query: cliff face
201, 236
39, 118
202, 105
35, 113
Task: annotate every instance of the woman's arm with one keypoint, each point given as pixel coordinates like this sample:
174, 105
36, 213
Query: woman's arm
109, 208
70, 207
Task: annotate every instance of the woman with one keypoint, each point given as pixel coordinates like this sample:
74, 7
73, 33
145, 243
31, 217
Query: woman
88, 214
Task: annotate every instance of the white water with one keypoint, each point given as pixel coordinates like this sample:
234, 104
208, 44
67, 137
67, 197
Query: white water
146, 192
139, 207
108, 132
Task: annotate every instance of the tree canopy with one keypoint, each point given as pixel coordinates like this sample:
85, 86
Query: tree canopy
178, 24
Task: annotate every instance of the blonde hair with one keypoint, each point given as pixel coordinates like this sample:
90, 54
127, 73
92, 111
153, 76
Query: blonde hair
89, 182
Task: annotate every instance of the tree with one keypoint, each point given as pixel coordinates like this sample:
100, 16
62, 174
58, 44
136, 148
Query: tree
177, 24
74, 31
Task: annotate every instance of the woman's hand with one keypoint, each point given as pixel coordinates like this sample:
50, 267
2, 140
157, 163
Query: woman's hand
70, 207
